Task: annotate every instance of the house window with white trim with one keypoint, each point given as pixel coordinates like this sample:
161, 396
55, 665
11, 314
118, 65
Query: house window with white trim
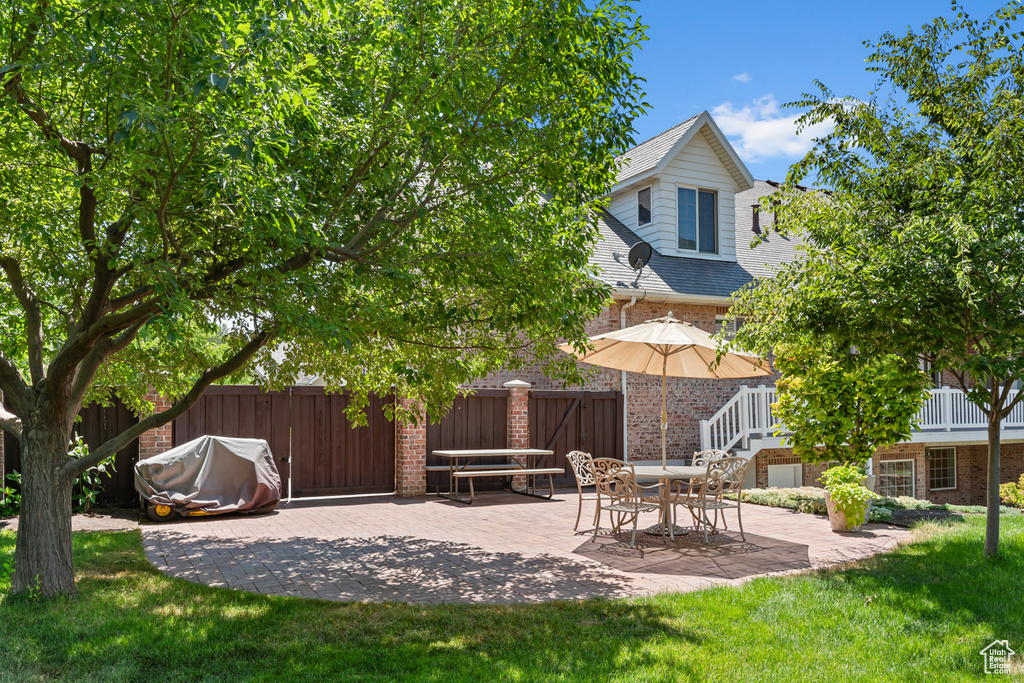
698, 220
643, 206
941, 468
895, 478
728, 328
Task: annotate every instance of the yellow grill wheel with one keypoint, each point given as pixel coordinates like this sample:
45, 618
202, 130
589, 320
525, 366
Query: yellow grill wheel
160, 513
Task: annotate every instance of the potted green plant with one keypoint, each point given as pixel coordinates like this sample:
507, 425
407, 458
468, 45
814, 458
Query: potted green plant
847, 499
840, 406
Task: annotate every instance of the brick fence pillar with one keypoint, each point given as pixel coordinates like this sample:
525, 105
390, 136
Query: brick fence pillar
156, 441
518, 426
411, 454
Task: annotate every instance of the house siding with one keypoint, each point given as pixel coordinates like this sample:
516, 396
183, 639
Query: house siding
696, 165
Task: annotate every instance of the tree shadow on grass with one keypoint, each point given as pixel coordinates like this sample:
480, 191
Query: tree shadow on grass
130, 622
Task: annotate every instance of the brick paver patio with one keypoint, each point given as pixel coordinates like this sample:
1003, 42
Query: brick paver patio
504, 548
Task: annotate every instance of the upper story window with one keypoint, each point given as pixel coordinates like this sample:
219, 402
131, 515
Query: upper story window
698, 220
643, 206
727, 328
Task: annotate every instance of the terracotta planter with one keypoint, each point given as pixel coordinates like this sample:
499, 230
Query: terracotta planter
838, 518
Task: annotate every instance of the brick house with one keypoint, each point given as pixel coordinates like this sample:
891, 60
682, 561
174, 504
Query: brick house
687, 193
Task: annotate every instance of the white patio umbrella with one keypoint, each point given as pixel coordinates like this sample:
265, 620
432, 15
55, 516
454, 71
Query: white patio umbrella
670, 348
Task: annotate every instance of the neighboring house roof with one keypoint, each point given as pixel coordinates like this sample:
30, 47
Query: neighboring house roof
652, 155
695, 277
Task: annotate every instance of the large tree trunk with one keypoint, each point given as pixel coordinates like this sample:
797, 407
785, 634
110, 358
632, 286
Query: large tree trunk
992, 516
42, 557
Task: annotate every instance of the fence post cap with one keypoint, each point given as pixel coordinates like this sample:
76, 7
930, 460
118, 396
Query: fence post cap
516, 384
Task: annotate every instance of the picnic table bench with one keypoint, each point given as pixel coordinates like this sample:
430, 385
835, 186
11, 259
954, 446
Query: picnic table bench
462, 465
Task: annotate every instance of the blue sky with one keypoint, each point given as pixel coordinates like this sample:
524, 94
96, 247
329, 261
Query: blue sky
743, 60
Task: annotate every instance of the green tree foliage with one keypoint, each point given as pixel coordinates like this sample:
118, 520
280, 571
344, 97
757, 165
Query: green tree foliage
842, 406
919, 247
397, 193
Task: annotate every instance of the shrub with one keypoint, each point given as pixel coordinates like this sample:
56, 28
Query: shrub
86, 490
1012, 493
811, 500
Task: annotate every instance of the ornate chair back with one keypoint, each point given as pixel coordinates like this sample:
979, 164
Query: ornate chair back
581, 467
614, 481
724, 476
702, 458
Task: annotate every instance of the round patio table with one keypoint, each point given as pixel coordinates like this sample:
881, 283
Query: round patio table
665, 476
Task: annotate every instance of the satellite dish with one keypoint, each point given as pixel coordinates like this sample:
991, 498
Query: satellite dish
640, 255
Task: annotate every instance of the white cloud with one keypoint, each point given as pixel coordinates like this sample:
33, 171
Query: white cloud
743, 77
760, 130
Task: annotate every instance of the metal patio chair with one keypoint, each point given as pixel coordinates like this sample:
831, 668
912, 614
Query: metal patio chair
618, 493
722, 477
583, 469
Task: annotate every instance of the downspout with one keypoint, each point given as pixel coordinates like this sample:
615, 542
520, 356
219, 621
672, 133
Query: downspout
625, 404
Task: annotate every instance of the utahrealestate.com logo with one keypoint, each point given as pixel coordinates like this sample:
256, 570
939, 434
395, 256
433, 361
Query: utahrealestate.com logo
998, 656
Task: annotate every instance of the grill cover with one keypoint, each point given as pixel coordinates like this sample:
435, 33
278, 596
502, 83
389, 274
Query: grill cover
212, 473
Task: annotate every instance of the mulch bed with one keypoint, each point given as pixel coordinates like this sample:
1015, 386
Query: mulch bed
906, 518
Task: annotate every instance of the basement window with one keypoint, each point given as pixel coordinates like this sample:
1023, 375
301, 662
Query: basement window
941, 468
895, 478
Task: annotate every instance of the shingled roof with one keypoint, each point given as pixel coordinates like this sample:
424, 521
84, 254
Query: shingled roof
694, 276
648, 153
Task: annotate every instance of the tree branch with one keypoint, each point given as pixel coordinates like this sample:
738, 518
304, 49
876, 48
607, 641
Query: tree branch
14, 387
33, 316
75, 467
94, 359
10, 423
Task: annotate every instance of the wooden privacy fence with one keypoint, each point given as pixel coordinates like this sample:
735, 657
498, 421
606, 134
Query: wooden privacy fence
476, 421
563, 421
97, 425
328, 455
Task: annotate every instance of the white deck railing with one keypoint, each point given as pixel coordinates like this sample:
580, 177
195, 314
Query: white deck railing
749, 414
949, 409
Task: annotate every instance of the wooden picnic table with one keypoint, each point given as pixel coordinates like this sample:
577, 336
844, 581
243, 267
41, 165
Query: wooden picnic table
462, 464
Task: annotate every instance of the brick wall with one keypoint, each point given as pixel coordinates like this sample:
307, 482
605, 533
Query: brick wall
518, 425
687, 400
971, 469
156, 441
411, 454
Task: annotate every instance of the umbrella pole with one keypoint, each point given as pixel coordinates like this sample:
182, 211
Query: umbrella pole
664, 413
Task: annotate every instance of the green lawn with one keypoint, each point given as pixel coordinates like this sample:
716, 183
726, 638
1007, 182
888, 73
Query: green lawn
921, 613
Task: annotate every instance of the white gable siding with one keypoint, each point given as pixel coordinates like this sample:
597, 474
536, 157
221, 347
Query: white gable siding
696, 165
623, 207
